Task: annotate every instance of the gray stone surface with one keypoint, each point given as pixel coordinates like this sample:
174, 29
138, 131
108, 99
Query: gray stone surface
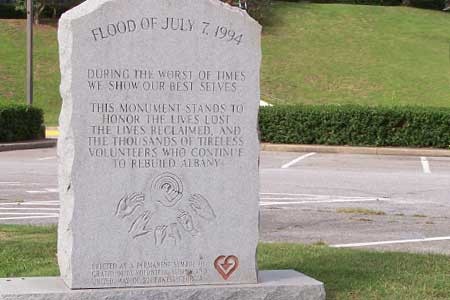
274, 285
158, 169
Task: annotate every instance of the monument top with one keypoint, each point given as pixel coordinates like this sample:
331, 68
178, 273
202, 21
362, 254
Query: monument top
158, 169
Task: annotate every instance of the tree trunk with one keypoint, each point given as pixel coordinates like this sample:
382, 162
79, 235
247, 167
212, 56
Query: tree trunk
39, 9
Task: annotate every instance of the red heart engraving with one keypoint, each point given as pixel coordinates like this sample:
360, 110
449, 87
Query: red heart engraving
226, 265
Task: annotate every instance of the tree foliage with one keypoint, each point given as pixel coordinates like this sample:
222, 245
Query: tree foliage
40, 5
258, 9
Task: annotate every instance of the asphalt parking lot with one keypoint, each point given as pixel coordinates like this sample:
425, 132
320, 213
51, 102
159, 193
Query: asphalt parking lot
343, 200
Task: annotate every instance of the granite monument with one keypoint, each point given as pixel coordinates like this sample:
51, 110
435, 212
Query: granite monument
158, 157
159, 147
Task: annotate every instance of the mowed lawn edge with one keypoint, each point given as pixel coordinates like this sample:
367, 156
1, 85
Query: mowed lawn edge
312, 54
347, 273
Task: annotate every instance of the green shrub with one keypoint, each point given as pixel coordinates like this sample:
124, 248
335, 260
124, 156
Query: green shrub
362, 2
258, 9
20, 122
356, 125
8, 11
428, 4
379, 2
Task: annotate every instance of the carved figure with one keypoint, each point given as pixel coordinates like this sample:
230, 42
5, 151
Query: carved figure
167, 189
166, 192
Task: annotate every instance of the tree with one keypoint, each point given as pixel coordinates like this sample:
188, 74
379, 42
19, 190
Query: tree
258, 9
38, 8
40, 5
406, 2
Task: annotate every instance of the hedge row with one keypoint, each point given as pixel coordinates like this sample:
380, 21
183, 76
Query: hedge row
258, 9
427, 4
20, 122
359, 2
8, 11
356, 125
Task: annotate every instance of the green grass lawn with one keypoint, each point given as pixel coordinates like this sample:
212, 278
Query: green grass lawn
312, 53
347, 274
46, 67
332, 53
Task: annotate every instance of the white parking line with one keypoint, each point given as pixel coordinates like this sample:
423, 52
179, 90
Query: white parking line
31, 217
46, 191
28, 204
293, 162
425, 165
269, 203
287, 194
309, 195
442, 238
47, 158
325, 197
23, 214
291, 196
16, 185
28, 208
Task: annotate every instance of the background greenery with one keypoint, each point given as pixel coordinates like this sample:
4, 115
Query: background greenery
356, 125
347, 273
9, 11
46, 67
372, 55
312, 54
20, 122
428, 4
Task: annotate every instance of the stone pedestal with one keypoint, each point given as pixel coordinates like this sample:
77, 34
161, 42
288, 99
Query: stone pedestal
274, 285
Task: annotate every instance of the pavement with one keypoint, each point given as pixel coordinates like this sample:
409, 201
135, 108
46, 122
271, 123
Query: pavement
28, 187
343, 200
351, 200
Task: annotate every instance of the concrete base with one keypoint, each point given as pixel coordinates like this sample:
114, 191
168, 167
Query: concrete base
274, 285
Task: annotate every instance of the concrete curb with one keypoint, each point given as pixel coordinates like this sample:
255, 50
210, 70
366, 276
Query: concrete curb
46, 143
356, 150
51, 132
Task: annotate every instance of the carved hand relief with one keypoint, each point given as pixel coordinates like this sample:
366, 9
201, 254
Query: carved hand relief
167, 215
226, 265
128, 204
201, 207
140, 225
